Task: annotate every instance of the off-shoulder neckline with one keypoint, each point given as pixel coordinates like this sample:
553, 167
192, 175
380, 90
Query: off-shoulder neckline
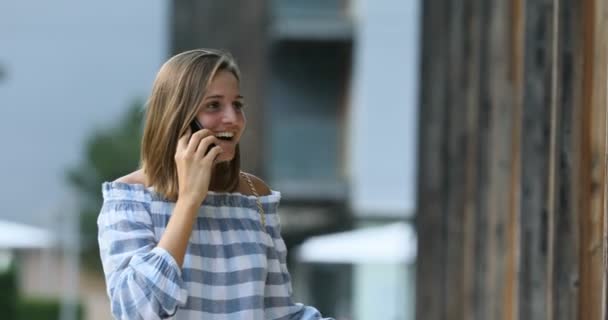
140, 187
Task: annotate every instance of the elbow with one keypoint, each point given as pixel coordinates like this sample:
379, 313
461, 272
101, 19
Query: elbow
134, 298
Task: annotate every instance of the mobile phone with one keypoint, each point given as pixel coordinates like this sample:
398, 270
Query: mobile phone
196, 126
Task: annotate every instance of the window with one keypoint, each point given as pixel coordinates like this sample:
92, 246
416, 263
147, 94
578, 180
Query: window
308, 85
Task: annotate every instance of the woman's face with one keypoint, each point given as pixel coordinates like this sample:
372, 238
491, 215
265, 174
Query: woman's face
222, 113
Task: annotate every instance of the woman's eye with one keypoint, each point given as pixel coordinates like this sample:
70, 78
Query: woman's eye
239, 105
213, 105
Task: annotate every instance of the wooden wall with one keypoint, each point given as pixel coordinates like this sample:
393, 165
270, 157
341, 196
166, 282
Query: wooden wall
512, 160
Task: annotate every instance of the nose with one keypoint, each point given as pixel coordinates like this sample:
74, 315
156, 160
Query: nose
229, 115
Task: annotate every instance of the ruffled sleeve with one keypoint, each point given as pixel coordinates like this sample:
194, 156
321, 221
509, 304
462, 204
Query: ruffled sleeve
143, 281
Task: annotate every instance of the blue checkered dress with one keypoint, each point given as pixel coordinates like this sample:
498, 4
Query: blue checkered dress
233, 268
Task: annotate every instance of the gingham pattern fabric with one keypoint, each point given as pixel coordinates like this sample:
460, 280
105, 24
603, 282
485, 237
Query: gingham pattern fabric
233, 268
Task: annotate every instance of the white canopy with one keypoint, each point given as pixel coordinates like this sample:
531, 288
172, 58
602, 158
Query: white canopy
394, 243
15, 235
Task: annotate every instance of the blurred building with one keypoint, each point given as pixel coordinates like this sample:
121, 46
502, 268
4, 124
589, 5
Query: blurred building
332, 88
45, 270
25, 246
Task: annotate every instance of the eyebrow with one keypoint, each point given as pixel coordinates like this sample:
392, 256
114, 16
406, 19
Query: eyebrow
219, 96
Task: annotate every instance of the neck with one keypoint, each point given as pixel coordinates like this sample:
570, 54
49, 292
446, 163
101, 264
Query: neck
225, 178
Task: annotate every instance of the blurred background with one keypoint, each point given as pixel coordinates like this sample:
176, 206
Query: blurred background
332, 91
436, 159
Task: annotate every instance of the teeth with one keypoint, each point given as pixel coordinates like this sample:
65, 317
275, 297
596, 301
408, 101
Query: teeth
225, 135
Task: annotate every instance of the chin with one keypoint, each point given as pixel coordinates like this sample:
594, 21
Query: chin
224, 158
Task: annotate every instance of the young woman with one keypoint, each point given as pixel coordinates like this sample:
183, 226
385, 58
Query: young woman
190, 236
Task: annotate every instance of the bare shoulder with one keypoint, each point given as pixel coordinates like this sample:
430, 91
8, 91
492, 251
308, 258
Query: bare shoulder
260, 186
135, 177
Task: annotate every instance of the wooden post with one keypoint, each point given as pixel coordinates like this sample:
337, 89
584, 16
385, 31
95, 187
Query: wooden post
475, 161
430, 223
535, 143
591, 160
456, 144
564, 232
504, 77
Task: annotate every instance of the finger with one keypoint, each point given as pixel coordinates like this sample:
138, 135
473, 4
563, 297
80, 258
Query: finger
205, 145
213, 154
195, 140
182, 142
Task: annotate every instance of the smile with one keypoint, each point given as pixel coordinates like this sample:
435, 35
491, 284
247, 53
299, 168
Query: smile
226, 136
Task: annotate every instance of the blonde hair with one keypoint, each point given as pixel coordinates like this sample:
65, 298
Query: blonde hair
177, 93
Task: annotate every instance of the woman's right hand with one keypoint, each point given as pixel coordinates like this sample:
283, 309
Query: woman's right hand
194, 168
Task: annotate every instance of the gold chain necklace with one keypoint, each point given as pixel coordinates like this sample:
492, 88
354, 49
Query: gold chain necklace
257, 198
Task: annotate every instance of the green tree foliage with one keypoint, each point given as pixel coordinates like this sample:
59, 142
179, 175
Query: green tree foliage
8, 292
43, 309
14, 306
109, 153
